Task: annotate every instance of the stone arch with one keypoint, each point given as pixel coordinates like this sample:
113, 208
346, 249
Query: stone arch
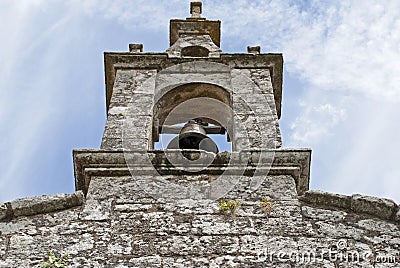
175, 98
190, 43
194, 51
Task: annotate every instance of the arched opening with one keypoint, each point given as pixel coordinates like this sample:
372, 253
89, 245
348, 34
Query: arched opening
201, 102
194, 51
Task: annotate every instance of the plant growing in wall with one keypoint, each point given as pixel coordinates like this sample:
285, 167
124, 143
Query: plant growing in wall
56, 262
267, 206
229, 206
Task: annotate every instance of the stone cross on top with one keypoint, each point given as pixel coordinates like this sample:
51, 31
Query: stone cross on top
195, 9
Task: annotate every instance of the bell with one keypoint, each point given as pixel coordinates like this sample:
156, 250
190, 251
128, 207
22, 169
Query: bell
193, 136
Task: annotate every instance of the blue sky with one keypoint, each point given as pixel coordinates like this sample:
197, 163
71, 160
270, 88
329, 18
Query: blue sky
341, 82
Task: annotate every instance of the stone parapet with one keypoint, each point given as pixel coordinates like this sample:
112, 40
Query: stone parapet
379, 207
39, 205
90, 163
139, 231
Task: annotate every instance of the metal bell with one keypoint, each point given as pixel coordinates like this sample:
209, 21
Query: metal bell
193, 136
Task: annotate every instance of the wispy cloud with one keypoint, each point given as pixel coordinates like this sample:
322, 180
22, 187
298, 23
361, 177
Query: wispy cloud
316, 122
34, 77
151, 15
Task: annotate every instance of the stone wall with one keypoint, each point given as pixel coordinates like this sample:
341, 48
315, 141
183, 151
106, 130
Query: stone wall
136, 230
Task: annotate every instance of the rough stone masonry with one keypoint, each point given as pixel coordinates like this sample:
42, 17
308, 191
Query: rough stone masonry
137, 205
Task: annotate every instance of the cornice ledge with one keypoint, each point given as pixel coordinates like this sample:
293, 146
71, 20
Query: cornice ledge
90, 162
382, 208
39, 205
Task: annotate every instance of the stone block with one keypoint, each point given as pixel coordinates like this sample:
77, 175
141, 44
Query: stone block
397, 217
141, 104
135, 48
378, 225
323, 214
3, 211
46, 203
380, 207
111, 143
328, 199
170, 262
96, 210
253, 49
146, 261
339, 230
117, 112
134, 144
3, 247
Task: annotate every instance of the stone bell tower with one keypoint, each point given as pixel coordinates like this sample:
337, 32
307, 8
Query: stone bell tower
221, 113
191, 173
197, 95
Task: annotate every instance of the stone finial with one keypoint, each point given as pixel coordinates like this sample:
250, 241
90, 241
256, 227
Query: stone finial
135, 48
254, 50
196, 9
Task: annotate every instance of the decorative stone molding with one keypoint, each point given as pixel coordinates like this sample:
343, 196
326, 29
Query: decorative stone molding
39, 205
379, 207
90, 163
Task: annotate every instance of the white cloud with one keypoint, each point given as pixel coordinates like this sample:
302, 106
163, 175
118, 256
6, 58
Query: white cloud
316, 122
152, 15
35, 42
363, 153
347, 54
336, 45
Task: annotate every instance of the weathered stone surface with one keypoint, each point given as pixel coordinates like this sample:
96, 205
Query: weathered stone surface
89, 163
96, 210
37, 205
123, 223
7, 228
140, 231
195, 28
323, 214
339, 230
45, 204
3, 211
3, 246
253, 49
379, 207
135, 48
397, 217
209, 49
378, 226
328, 199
